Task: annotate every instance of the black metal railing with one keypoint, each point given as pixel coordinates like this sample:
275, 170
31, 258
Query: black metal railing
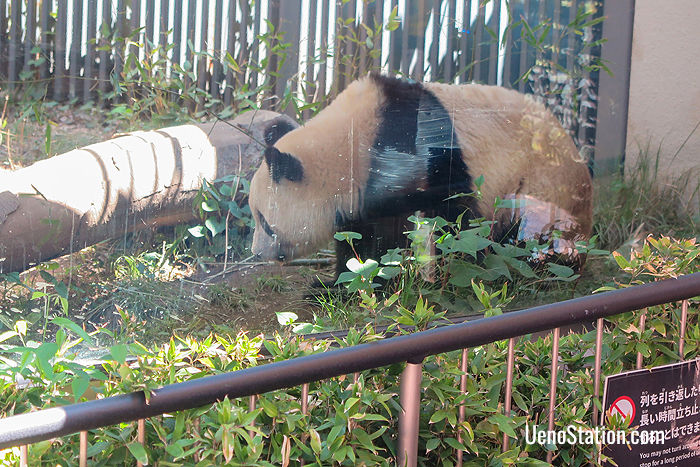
61, 421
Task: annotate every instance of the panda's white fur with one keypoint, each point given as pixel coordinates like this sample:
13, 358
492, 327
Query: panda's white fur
509, 138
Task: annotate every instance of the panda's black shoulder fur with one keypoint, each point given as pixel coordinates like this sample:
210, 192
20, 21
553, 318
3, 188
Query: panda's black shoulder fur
397, 89
416, 158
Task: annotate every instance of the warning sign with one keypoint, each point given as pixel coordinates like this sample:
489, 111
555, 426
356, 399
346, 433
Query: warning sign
624, 407
664, 400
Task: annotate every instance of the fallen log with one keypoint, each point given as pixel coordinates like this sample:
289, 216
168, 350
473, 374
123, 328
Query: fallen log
139, 180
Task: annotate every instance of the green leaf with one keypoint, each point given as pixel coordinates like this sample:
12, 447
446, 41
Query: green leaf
71, 326
347, 236
559, 270
503, 423
362, 268
286, 318
197, 231
118, 352
215, 226
137, 450
315, 440
432, 444
80, 384
210, 205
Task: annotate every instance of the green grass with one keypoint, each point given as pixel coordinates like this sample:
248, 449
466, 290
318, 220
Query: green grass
643, 201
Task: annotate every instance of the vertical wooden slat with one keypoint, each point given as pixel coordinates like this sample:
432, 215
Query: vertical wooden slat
289, 23
523, 51
60, 55
435, 41
405, 26
178, 20
231, 50
337, 48
76, 41
255, 48
104, 43
571, 40
451, 28
189, 46
164, 24
494, 44
377, 46
464, 57
394, 54
164, 33
362, 64
29, 33
44, 41
3, 36
541, 18
243, 49
89, 75
191, 27
148, 40
508, 58
323, 65
478, 43
217, 68
202, 60
119, 47
15, 37
272, 59
135, 32
343, 48
556, 32
310, 88
351, 47
420, 41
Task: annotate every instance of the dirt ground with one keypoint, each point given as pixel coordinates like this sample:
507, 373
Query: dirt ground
186, 299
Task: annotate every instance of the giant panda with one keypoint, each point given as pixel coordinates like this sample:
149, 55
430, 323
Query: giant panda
386, 148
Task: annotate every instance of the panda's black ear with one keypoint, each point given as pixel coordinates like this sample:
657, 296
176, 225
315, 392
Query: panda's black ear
283, 165
276, 129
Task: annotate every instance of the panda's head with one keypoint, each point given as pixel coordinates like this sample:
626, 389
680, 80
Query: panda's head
291, 217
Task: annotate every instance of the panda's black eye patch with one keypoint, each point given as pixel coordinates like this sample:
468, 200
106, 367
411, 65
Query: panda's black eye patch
283, 165
265, 226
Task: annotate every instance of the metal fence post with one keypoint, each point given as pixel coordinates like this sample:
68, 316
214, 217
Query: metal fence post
509, 387
23, 455
684, 320
596, 370
83, 449
553, 385
642, 324
409, 417
463, 366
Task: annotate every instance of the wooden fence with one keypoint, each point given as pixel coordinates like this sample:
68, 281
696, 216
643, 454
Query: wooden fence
301, 51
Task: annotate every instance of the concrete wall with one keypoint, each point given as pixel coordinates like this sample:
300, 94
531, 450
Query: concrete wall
664, 95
